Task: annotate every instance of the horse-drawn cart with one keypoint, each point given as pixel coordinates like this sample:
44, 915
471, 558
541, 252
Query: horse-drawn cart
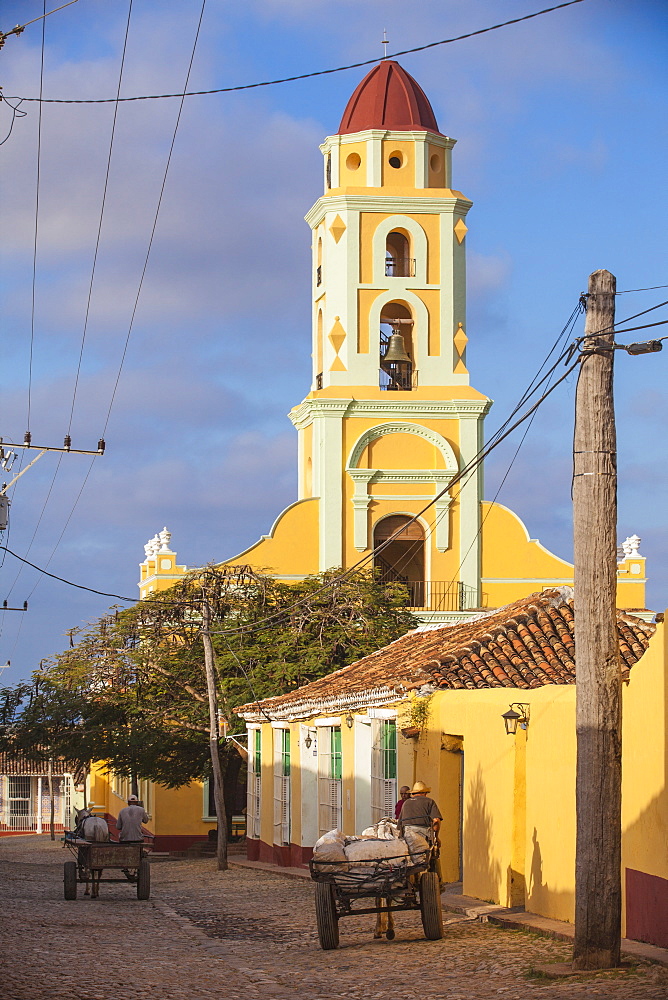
395, 884
129, 860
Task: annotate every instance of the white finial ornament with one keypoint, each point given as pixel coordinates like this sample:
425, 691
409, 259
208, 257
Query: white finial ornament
631, 546
164, 537
385, 43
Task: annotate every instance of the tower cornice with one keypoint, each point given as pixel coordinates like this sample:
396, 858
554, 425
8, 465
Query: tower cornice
314, 407
379, 201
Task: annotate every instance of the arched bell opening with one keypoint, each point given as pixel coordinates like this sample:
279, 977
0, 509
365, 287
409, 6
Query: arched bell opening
396, 348
318, 267
398, 261
403, 560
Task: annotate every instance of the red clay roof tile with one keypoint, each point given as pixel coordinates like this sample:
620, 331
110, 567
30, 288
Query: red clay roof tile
527, 644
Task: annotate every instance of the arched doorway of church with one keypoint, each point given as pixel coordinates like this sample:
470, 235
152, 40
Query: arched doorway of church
402, 561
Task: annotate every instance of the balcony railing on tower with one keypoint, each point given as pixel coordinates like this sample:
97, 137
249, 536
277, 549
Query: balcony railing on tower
430, 595
399, 267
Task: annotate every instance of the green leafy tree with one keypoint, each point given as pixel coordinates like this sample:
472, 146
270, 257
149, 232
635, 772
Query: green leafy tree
132, 690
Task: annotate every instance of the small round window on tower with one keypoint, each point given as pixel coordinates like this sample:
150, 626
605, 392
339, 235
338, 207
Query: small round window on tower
435, 162
353, 161
396, 160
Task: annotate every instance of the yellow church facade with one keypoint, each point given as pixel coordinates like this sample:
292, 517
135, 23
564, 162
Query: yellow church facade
391, 418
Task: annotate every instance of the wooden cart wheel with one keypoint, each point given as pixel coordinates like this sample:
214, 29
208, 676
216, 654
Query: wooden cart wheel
70, 880
144, 879
430, 906
326, 918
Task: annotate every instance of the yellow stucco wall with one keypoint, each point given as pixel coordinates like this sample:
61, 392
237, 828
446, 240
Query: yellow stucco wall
645, 763
514, 565
292, 545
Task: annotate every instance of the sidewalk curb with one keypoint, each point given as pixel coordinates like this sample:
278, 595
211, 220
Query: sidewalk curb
518, 919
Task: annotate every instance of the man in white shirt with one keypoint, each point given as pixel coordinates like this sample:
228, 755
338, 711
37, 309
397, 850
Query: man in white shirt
130, 820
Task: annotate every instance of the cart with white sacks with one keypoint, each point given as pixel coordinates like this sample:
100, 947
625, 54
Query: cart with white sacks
396, 872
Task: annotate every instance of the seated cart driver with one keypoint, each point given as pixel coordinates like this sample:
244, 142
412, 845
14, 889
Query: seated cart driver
421, 814
130, 820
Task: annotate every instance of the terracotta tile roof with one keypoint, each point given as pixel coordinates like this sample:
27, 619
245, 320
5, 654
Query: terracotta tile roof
18, 764
524, 645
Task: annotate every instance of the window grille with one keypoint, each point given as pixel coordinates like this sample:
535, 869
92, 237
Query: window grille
281, 786
383, 768
329, 778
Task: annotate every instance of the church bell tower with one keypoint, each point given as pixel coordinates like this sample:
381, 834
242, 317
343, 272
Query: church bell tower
391, 416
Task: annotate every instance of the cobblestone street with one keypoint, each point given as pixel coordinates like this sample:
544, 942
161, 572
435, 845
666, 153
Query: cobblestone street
249, 933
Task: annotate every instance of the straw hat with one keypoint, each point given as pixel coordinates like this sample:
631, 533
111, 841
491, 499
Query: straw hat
419, 788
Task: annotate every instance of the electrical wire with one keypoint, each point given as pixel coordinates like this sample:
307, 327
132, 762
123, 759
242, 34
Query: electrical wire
16, 113
652, 288
61, 579
102, 207
618, 322
321, 72
34, 254
155, 220
83, 338
566, 331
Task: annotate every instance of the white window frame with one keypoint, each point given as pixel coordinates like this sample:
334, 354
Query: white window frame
254, 787
282, 785
330, 804
383, 788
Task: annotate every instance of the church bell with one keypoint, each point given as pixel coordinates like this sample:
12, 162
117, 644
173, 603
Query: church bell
396, 350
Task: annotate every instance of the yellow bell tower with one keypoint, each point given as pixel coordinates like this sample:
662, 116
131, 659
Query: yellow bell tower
391, 416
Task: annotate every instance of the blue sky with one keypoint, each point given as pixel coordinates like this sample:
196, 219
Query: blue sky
561, 129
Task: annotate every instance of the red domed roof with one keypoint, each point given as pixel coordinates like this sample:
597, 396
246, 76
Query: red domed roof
389, 98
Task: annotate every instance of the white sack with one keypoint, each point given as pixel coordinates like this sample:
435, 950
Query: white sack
330, 848
385, 829
376, 850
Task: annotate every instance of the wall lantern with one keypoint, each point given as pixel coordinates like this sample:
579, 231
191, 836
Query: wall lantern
513, 719
308, 740
350, 722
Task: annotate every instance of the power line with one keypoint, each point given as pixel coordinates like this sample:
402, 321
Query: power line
34, 253
83, 338
320, 72
61, 579
102, 207
652, 288
155, 219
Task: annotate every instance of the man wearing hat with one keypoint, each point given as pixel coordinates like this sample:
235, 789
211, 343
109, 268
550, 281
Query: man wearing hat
421, 812
422, 815
130, 820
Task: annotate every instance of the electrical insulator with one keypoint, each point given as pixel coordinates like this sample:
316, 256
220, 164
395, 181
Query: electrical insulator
101, 446
67, 442
27, 438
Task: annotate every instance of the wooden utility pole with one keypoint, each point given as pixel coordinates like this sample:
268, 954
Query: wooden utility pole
217, 774
598, 675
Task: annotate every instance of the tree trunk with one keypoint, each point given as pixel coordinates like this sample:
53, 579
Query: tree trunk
218, 788
52, 803
598, 675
